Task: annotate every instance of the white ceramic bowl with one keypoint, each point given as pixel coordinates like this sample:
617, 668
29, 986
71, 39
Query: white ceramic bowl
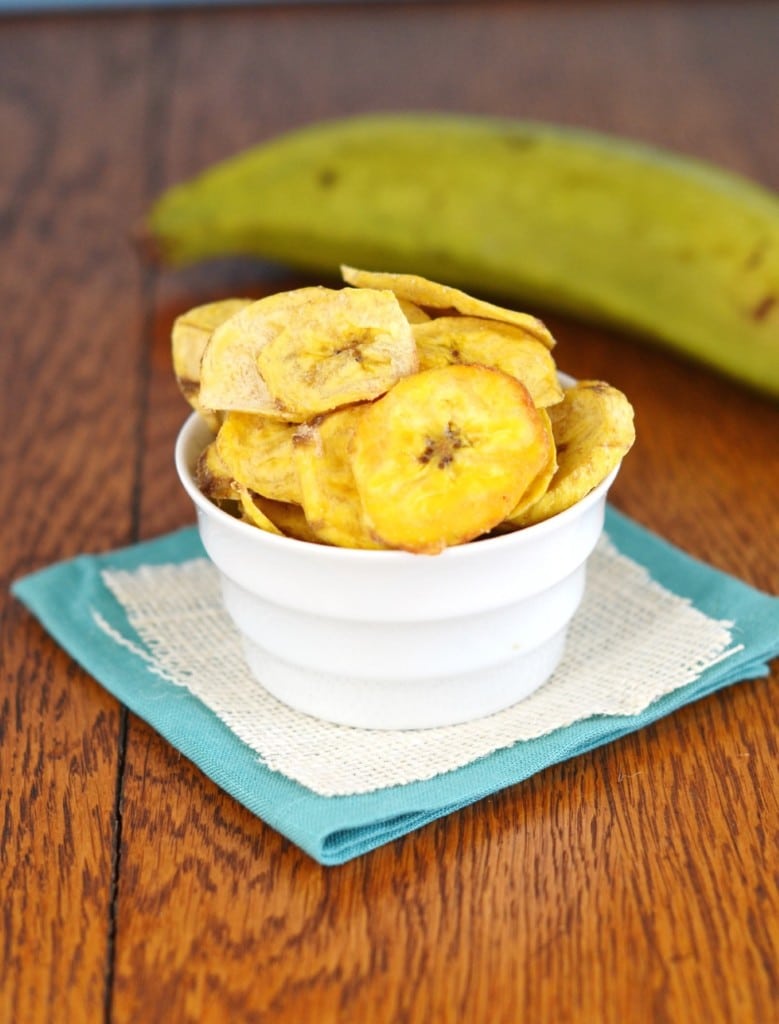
392, 640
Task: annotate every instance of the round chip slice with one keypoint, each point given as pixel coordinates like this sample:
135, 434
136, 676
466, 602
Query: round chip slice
323, 458
439, 298
298, 354
349, 347
540, 483
189, 337
593, 431
288, 517
446, 455
213, 477
257, 452
252, 513
413, 313
468, 339
229, 376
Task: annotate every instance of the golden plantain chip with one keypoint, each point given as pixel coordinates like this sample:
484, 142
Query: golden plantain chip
440, 298
288, 517
413, 313
214, 481
189, 337
252, 513
257, 452
446, 455
229, 376
398, 413
467, 339
213, 477
323, 457
593, 430
301, 353
539, 484
350, 347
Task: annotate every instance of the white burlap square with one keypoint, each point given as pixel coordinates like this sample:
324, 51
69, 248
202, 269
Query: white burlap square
631, 642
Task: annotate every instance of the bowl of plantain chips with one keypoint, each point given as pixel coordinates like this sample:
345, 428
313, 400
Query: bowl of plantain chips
399, 490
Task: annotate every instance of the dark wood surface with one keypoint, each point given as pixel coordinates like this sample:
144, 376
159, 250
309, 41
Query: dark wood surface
635, 883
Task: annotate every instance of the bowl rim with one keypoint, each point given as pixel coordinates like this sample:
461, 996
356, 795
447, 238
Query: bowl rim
520, 538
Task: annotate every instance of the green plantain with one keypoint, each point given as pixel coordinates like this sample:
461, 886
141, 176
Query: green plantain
560, 219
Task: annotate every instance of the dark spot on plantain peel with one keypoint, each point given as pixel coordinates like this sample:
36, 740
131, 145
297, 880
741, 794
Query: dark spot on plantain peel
327, 177
763, 307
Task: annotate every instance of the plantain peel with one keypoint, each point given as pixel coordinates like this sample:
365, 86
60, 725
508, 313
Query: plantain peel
548, 217
358, 418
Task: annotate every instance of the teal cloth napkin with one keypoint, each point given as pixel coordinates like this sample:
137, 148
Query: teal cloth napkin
66, 596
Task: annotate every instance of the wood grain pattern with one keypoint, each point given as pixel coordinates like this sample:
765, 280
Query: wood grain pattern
636, 883
70, 366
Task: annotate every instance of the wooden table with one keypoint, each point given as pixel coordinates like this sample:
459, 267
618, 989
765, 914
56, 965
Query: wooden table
636, 883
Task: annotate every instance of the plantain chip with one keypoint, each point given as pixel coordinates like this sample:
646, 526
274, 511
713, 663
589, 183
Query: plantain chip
437, 298
398, 413
593, 430
288, 517
351, 347
252, 513
446, 455
539, 485
323, 457
229, 377
301, 353
213, 477
257, 452
413, 313
467, 339
189, 337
